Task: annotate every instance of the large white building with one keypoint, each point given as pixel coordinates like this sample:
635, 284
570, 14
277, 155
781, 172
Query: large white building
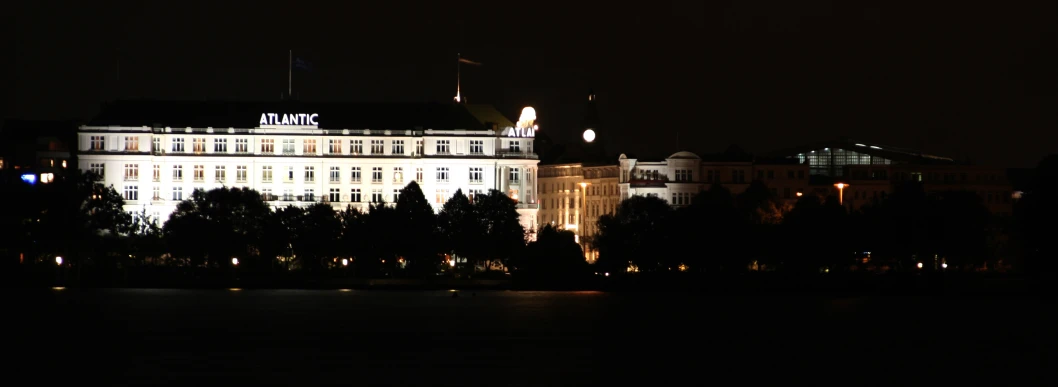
155, 153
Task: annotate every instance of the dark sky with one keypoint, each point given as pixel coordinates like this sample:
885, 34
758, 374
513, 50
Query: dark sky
975, 80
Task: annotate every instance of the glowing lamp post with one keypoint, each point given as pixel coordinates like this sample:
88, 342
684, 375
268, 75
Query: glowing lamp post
841, 192
235, 261
58, 261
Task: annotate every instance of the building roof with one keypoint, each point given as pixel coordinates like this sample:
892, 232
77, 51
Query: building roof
246, 114
488, 115
892, 153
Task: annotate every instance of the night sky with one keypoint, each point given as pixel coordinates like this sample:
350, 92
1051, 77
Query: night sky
973, 80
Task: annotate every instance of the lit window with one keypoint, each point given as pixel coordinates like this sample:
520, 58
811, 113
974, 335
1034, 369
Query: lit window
268, 145
47, 178
132, 144
266, 174
240, 174
309, 147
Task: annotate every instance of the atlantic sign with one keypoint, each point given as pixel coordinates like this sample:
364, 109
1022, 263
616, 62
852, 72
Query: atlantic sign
521, 132
299, 119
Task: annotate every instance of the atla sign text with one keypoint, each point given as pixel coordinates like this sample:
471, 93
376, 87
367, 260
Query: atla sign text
529, 132
300, 119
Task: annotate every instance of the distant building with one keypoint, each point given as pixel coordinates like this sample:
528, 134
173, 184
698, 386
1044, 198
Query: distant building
679, 177
872, 172
36, 152
155, 153
574, 195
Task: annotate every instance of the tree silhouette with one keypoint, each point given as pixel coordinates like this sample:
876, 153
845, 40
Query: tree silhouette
555, 256
634, 234
419, 225
504, 236
319, 229
461, 230
211, 227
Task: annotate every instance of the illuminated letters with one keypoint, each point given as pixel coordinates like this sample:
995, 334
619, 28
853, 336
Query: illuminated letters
529, 132
299, 119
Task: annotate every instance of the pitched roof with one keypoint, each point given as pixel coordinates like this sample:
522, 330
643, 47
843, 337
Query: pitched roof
246, 114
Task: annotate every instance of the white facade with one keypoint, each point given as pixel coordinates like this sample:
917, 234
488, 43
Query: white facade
156, 168
676, 179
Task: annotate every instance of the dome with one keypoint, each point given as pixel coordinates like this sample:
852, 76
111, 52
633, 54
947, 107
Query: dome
684, 155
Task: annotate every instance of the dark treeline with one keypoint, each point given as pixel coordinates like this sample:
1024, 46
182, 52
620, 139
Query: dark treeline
231, 231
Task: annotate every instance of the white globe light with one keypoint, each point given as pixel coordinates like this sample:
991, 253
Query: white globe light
589, 135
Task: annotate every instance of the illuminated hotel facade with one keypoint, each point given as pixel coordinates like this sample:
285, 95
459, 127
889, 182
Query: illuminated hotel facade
156, 153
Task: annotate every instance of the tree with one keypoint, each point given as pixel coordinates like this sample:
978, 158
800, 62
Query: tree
554, 256
319, 229
504, 236
1036, 213
355, 237
714, 222
461, 230
419, 224
633, 234
815, 232
383, 223
212, 227
76, 217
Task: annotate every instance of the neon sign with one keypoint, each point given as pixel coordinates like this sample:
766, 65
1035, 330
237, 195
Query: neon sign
529, 132
300, 119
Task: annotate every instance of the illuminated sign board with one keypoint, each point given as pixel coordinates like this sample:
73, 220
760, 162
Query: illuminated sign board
299, 119
521, 132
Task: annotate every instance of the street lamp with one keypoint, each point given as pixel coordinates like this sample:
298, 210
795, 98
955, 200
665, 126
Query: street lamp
235, 261
583, 216
841, 192
58, 261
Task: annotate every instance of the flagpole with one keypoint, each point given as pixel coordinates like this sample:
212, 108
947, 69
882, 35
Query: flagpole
290, 74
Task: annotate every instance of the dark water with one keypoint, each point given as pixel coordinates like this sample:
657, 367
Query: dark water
291, 337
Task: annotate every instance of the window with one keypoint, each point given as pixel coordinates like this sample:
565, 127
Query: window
178, 145
334, 146
376, 174
683, 175
444, 147
336, 174
477, 147
220, 145
418, 174
309, 147
398, 175
377, 147
476, 175
474, 193
219, 173
354, 195
418, 147
96, 143
242, 145
288, 195
356, 147
441, 196
178, 173
514, 145
310, 174
376, 196
396, 195
132, 144
157, 191
132, 172
266, 174
288, 146
442, 174
355, 176
290, 174
156, 144
266, 195
738, 176
200, 173
131, 192
398, 147
514, 175
240, 174
156, 173
198, 145
178, 193
334, 196
310, 195
268, 145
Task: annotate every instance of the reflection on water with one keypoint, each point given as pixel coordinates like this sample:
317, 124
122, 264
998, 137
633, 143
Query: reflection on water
299, 337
